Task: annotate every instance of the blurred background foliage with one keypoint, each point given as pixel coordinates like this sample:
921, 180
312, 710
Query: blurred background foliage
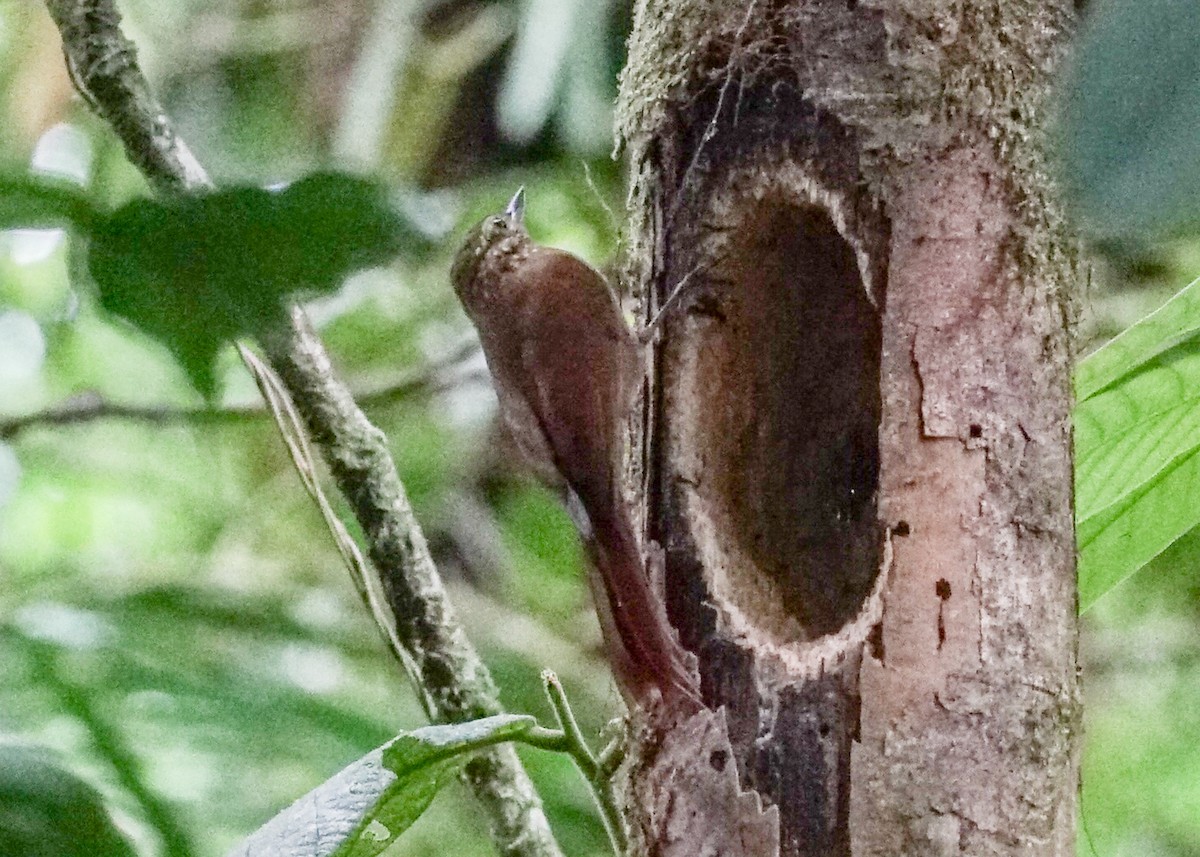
176, 624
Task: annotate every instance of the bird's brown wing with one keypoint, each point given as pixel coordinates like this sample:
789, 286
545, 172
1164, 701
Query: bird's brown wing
577, 356
582, 404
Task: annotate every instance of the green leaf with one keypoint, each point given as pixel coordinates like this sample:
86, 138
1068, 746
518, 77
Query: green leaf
47, 811
412, 751
1172, 325
360, 811
423, 761
43, 202
1130, 152
199, 271
1137, 435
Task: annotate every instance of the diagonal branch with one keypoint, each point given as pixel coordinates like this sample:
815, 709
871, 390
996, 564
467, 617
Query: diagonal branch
455, 684
103, 65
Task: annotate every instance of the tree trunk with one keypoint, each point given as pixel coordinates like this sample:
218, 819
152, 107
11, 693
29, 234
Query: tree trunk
856, 451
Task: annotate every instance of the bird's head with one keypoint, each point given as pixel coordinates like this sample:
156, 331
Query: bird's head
495, 233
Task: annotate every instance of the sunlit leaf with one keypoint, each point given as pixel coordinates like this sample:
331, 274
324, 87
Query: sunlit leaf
47, 811
1131, 108
1137, 435
199, 271
423, 761
1173, 324
360, 811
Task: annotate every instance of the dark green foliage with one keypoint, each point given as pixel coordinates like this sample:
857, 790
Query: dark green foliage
37, 202
46, 811
200, 271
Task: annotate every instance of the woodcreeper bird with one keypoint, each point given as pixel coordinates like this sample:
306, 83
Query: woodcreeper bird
565, 366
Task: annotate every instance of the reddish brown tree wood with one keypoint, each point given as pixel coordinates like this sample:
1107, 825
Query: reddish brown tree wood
857, 450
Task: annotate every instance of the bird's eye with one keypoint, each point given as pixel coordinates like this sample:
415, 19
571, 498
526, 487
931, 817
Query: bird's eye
492, 227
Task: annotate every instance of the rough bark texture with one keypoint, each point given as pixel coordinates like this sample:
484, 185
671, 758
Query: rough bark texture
857, 451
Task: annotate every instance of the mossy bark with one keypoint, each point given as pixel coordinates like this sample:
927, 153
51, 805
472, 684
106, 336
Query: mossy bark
856, 452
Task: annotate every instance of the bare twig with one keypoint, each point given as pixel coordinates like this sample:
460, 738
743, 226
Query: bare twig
598, 776
613, 223
454, 681
455, 684
90, 406
710, 129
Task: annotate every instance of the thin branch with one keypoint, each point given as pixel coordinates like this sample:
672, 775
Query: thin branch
90, 406
570, 726
551, 740
611, 757
454, 681
598, 776
367, 584
710, 129
103, 65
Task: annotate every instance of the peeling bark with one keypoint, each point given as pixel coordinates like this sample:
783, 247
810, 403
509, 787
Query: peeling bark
857, 452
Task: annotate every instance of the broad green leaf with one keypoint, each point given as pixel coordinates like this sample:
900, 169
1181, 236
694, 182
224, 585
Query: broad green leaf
197, 272
1137, 435
360, 811
1130, 151
320, 823
423, 761
46, 811
42, 202
1173, 324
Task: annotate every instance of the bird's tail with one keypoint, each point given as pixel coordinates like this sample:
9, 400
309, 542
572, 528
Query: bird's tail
642, 645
